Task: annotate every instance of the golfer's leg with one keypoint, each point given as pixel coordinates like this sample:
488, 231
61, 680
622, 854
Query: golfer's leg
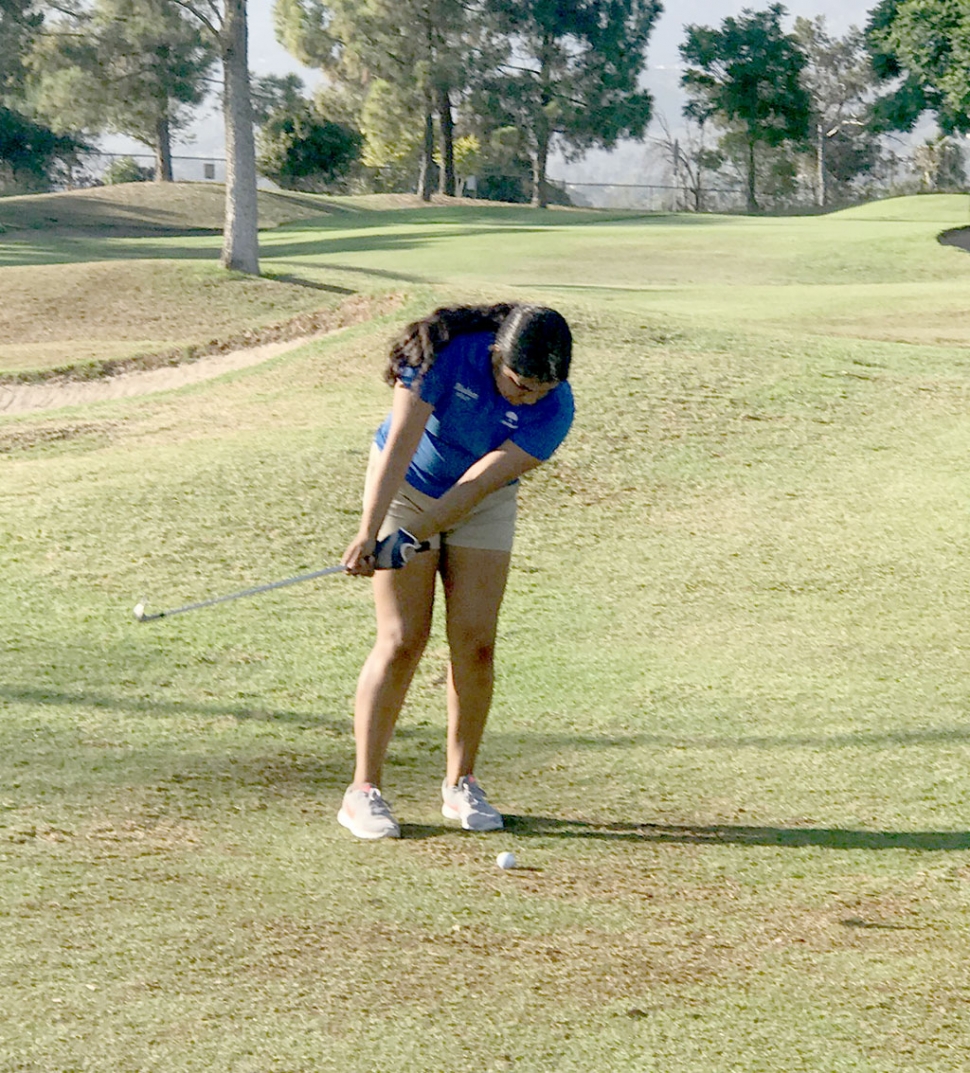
403, 602
474, 582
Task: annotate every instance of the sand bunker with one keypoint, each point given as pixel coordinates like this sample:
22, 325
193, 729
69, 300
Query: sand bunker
56, 394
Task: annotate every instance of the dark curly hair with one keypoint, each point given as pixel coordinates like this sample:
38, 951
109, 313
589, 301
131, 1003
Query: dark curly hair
533, 341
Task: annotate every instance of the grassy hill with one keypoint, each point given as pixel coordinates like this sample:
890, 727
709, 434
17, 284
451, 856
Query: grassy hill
184, 207
730, 727
127, 276
147, 208
93, 298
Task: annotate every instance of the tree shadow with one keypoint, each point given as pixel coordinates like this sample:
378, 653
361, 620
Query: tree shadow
41, 696
376, 241
729, 834
379, 273
312, 284
834, 838
415, 756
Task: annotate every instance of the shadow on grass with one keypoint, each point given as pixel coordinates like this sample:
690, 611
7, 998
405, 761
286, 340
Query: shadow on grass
73, 249
104, 235
377, 273
46, 248
159, 707
319, 768
381, 241
311, 284
730, 834
41, 695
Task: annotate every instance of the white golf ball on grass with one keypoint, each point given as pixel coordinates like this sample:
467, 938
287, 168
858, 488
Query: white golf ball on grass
139, 611
505, 860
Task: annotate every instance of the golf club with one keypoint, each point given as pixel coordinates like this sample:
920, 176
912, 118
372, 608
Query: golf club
141, 616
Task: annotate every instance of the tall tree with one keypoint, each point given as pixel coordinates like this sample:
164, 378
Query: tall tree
567, 73
412, 49
392, 142
746, 78
921, 51
134, 67
840, 84
226, 24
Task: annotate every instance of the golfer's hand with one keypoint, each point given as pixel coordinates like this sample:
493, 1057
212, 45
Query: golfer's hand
359, 559
397, 550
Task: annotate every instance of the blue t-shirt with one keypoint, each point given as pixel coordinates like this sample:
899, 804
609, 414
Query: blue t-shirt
471, 418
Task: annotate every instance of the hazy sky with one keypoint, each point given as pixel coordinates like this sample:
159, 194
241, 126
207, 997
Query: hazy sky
663, 54
267, 57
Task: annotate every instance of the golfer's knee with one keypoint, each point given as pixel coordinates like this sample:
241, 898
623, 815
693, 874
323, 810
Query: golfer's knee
402, 648
474, 653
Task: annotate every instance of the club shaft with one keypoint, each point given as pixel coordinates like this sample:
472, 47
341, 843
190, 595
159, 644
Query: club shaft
243, 592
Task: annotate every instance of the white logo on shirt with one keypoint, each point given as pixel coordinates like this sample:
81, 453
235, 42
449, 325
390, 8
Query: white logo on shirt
511, 419
465, 392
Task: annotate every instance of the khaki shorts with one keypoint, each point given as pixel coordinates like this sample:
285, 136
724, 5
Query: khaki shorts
489, 526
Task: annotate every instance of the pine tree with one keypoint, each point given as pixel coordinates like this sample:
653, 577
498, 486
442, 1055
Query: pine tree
566, 73
406, 54
745, 77
133, 67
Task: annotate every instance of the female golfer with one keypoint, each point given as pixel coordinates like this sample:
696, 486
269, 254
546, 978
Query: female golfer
480, 398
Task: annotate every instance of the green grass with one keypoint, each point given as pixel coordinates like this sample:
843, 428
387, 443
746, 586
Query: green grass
871, 273
130, 290
148, 208
730, 730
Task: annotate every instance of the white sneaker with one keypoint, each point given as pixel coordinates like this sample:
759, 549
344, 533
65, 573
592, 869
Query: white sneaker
366, 814
466, 802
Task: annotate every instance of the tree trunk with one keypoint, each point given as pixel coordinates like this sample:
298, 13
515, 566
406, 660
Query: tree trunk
163, 151
447, 123
752, 199
540, 192
425, 178
540, 159
240, 245
820, 191
540, 195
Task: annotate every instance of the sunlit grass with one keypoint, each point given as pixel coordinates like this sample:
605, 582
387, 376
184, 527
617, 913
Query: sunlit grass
876, 272
729, 731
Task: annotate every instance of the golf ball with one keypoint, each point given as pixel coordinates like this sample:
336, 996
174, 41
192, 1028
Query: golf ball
505, 860
139, 611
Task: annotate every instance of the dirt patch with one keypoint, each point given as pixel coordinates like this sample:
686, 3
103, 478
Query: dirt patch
389, 965
144, 375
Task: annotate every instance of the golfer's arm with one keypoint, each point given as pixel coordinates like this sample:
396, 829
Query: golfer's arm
490, 473
409, 415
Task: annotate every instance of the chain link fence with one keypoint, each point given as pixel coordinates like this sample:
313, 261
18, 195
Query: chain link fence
96, 166
653, 197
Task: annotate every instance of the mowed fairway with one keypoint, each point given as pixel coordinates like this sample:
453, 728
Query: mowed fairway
731, 732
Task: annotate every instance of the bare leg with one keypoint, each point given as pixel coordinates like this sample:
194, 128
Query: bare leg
474, 583
403, 602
